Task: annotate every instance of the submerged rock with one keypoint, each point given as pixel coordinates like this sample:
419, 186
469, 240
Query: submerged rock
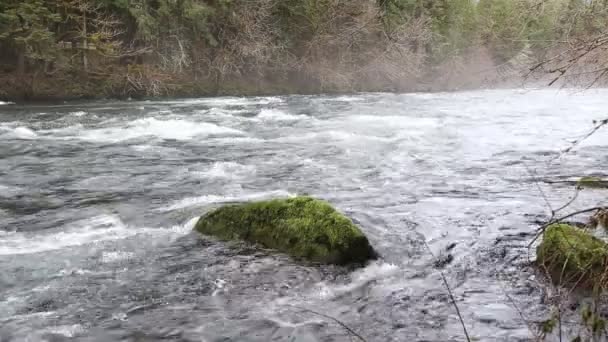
572, 256
301, 226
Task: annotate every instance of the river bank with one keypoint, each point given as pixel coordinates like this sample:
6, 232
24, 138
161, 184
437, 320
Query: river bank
39, 87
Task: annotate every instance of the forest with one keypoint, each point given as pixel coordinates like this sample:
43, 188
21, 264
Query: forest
147, 48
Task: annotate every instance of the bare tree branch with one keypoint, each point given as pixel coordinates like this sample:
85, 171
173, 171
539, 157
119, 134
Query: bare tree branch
449, 290
342, 324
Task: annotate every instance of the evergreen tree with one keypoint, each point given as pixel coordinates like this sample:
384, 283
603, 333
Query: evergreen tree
26, 27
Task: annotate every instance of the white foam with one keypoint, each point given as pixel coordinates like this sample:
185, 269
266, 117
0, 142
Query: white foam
278, 115
95, 229
119, 316
113, 256
239, 140
230, 101
426, 96
28, 316
219, 286
67, 330
269, 100
8, 190
142, 148
211, 199
84, 232
24, 133
176, 129
4, 103
154, 148
227, 170
373, 271
74, 271
225, 113
393, 121
188, 226
79, 113
331, 135
20, 132
348, 99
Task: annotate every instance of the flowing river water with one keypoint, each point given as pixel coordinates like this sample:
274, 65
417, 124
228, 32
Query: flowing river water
98, 201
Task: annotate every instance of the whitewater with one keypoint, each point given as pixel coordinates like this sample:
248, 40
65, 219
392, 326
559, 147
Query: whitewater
98, 201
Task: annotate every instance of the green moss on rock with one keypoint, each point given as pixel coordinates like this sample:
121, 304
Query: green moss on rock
592, 183
301, 226
573, 257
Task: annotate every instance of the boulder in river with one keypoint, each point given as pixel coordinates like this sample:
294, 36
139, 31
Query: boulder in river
301, 226
572, 256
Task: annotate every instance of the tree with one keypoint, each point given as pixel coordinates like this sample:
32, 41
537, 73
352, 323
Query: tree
26, 28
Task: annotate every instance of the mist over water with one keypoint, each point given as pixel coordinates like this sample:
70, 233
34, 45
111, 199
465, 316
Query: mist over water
98, 201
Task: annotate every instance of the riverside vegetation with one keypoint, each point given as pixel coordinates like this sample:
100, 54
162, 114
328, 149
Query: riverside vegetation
136, 48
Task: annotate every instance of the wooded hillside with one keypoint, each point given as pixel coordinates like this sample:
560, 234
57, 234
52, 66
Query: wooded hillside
121, 48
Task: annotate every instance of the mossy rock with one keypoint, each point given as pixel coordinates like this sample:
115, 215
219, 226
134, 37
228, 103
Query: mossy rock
572, 256
302, 227
592, 183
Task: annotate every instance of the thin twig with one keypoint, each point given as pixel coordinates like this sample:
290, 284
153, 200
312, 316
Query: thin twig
559, 321
521, 314
598, 125
447, 286
544, 227
534, 176
342, 324
576, 192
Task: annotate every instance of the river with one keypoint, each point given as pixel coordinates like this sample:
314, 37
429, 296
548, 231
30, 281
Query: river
98, 201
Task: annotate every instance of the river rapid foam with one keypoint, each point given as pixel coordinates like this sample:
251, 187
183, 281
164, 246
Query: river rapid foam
98, 201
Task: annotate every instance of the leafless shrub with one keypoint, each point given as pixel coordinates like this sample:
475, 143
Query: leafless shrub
580, 62
247, 42
175, 56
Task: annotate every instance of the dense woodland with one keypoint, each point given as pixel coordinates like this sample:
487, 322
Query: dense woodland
122, 48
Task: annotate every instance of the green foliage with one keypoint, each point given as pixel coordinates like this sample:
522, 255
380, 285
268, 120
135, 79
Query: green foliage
27, 27
187, 20
147, 24
593, 321
580, 18
301, 19
592, 183
326, 41
502, 27
547, 327
454, 23
301, 226
399, 12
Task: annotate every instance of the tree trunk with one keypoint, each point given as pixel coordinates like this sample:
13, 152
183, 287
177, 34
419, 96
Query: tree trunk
21, 62
85, 46
21, 83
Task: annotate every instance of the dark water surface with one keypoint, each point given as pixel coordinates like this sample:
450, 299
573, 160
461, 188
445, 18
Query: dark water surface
97, 202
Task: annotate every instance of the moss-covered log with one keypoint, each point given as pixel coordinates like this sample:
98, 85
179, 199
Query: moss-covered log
301, 226
572, 256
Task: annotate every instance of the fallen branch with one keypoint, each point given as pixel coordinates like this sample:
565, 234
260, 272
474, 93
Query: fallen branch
554, 221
